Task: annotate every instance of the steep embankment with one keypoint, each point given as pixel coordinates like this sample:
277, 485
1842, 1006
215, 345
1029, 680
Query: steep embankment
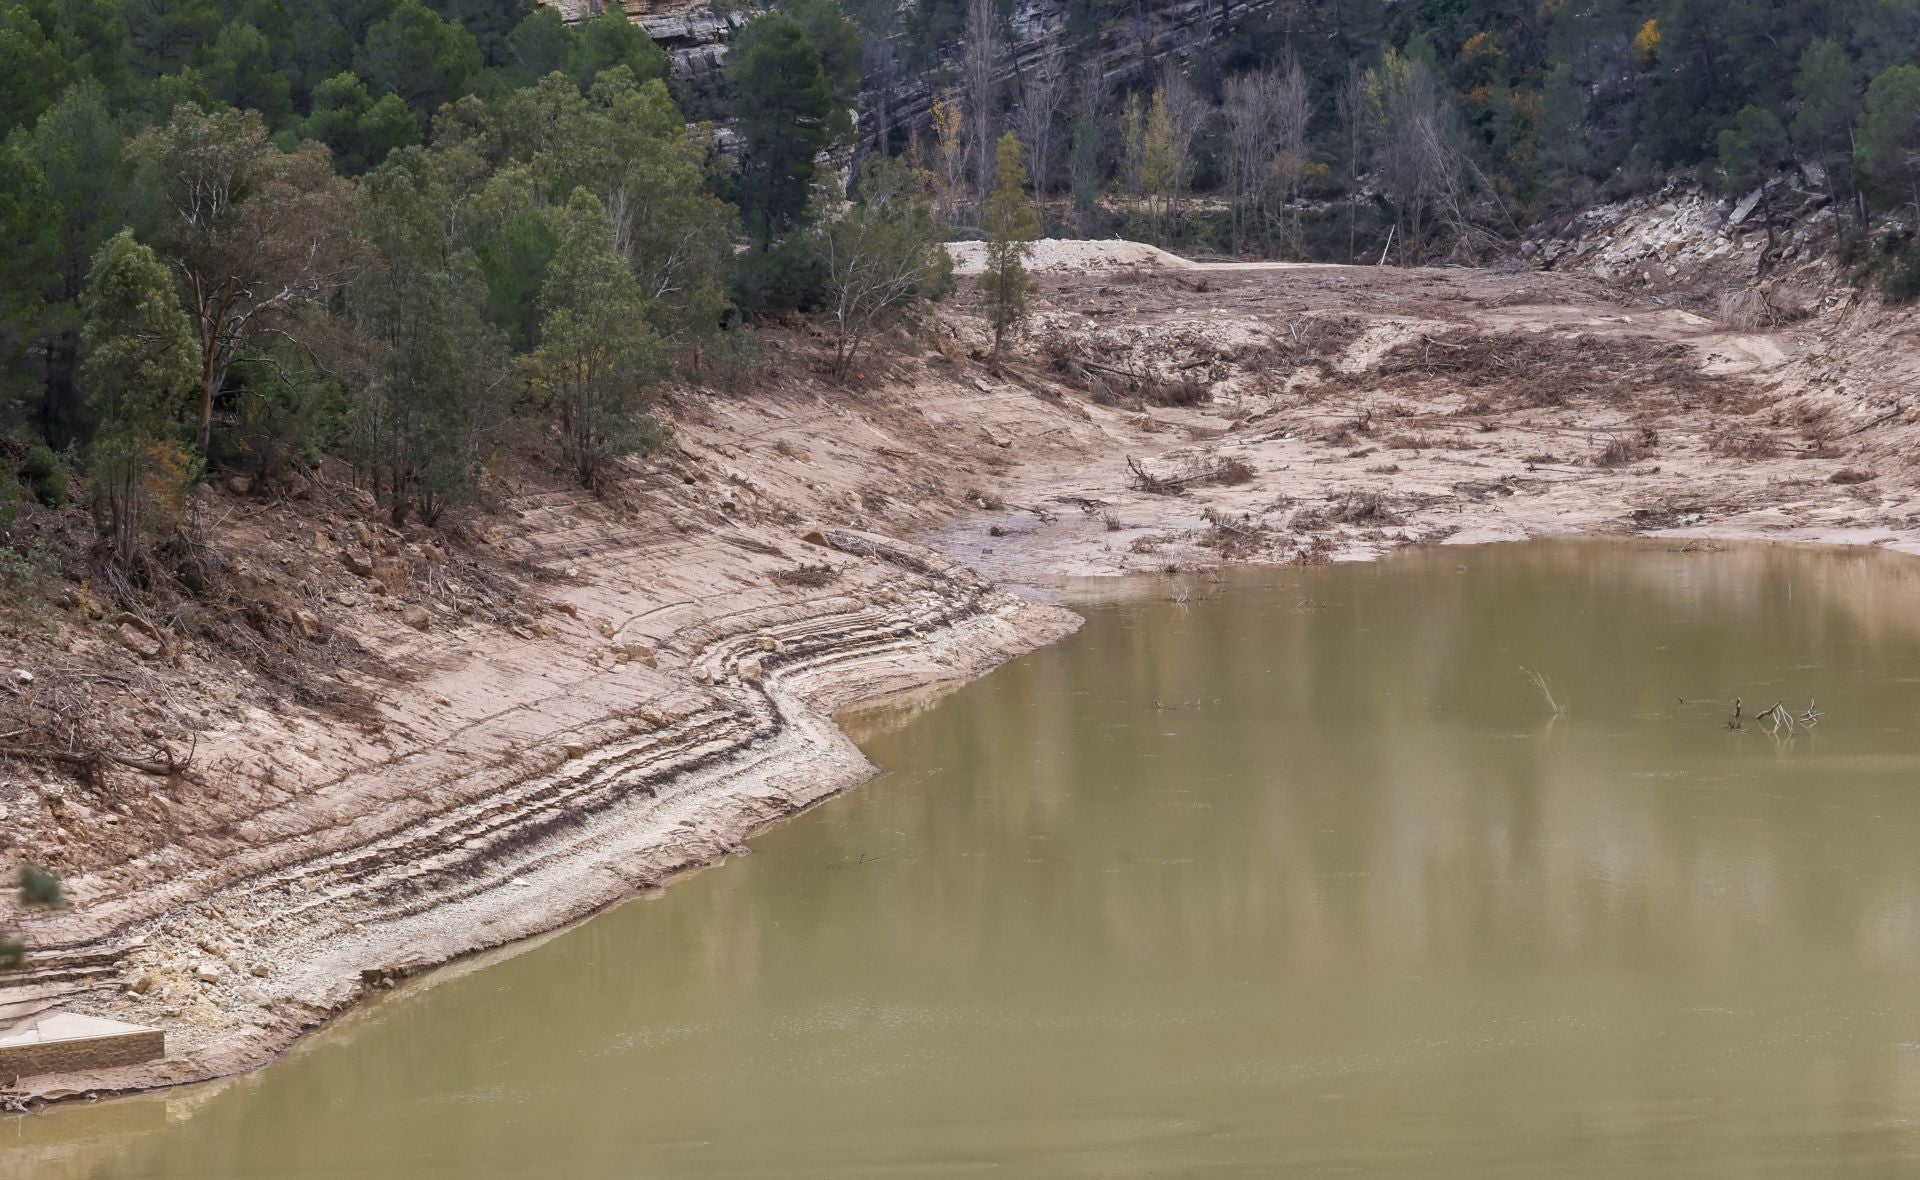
571, 697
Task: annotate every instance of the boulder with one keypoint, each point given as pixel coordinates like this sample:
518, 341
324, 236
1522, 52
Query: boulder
208, 972
139, 642
240, 485
416, 616
357, 561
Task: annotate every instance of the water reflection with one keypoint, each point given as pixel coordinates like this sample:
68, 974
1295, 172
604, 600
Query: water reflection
1301, 875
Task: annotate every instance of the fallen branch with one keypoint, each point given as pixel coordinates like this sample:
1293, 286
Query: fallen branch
166, 766
1889, 416
1166, 485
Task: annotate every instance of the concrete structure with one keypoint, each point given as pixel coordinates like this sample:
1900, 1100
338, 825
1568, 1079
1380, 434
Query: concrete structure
63, 1042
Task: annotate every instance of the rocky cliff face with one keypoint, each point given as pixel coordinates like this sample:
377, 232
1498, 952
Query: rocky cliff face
695, 36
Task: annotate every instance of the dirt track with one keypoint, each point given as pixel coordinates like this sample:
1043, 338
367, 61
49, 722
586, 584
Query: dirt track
693, 636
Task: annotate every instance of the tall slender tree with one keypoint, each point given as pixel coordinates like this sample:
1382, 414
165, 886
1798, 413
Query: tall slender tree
254, 233
1012, 223
141, 364
784, 105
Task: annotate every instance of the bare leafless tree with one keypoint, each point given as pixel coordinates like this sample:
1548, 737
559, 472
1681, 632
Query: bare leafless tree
1250, 144
1187, 113
1291, 112
1350, 105
1084, 171
1041, 91
979, 58
1416, 156
881, 69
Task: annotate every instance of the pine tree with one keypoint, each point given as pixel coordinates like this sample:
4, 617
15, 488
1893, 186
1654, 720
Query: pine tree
597, 357
1888, 152
141, 364
784, 104
1012, 224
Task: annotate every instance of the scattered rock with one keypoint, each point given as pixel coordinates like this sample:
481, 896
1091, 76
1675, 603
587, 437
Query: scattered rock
568, 609
632, 652
139, 642
816, 537
309, 625
575, 750
751, 671
357, 562
416, 616
208, 973
261, 970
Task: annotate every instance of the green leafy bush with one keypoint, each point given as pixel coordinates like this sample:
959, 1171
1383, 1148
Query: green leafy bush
45, 474
1899, 273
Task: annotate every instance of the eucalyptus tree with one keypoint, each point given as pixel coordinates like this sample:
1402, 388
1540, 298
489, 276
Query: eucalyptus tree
255, 234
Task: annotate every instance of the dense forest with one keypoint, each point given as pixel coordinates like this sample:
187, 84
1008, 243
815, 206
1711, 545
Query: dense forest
244, 235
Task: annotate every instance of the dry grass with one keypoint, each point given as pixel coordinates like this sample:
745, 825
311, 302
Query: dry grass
810, 577
1734, 444
1367, 509
1232, 472
1550, 369
1624, 449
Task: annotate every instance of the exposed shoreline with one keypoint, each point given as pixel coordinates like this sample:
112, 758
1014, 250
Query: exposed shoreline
681, 696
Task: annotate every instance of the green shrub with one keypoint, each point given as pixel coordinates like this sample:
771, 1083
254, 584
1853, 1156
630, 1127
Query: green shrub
1900, 273
9, 505
45, 474
732, 358
289, 416
783, 278
28, 580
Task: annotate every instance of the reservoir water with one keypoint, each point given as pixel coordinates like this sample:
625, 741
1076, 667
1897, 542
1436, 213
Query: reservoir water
1302, 876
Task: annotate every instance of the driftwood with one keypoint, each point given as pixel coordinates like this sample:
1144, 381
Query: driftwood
1779, 717
166, 765
1164, 485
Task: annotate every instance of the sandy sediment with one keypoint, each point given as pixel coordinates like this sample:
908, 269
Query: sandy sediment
289, 931
673, 691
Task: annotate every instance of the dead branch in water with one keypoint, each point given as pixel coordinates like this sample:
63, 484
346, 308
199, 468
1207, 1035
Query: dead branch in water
1546, 690
1778, 717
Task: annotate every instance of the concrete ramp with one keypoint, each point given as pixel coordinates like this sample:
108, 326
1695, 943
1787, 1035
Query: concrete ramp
67, 1042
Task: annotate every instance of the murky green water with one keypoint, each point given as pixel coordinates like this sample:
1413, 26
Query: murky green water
1350, 901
